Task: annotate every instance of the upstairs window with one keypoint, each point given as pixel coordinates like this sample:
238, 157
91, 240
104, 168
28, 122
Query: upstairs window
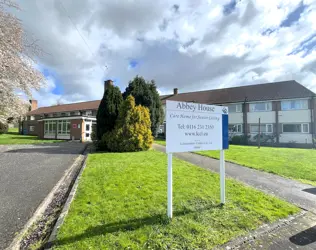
294, 105
260, 106
234, 108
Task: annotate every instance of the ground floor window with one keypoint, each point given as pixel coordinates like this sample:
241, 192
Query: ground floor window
64, 127
237, 128
296, 128
32, 128
50, 127
264, 128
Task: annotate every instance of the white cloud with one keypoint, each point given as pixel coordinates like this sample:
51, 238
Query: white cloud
187, 44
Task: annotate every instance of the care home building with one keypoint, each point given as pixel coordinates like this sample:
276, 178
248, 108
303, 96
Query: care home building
286, 110
73, 121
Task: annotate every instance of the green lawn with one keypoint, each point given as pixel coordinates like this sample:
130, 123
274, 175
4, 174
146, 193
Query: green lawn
299, 164
13, 137
121, 204
160, 141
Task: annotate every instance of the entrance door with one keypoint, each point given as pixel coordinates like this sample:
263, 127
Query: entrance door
88, 130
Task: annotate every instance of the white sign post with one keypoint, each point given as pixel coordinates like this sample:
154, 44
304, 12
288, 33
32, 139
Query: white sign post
195, 127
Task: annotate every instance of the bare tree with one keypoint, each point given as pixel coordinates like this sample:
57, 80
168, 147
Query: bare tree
18, 74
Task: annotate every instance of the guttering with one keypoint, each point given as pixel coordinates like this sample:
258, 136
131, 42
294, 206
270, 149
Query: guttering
68, 118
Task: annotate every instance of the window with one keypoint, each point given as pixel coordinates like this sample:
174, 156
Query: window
55, 114
260, 106
294, 104
234, 108
296, 128
50, 127
32, 128
72, 113
235, 128
88, 112
63, 114
87, 127
264, 128
64, 127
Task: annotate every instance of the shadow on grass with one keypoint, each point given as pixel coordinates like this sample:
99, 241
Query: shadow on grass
25, 137
305, 237
12, 133
128, 225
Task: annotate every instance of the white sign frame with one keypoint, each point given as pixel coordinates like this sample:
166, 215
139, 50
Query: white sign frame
195, 127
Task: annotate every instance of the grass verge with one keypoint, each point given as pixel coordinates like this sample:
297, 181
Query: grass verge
121, 204
13, 137
160, 141
298, 164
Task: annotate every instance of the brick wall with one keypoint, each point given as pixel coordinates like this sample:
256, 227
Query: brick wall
76, 129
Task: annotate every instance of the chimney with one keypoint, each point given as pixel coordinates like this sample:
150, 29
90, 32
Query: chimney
107, 83
33, 105
175, 91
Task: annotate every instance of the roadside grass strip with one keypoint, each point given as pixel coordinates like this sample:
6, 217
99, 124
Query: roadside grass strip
121, 203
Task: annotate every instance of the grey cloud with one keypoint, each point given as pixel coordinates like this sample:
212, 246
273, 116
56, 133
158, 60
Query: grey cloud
128, 18
170, 68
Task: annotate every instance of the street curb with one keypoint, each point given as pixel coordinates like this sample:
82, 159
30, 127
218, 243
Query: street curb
52, 238
15, 244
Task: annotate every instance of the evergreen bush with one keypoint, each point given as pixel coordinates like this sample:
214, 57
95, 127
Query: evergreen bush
132, 130
146, 94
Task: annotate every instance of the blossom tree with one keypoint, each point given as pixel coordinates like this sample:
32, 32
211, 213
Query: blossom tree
18, 75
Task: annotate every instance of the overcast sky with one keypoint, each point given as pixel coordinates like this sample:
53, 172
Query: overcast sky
185, 44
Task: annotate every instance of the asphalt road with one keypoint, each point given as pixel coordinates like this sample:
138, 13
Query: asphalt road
27, 175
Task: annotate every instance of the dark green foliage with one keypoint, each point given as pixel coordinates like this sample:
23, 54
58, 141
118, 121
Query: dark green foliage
146, 94
132, 129
240, 140
108, 110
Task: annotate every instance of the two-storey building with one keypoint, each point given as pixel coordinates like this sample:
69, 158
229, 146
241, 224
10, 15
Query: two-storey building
286, 110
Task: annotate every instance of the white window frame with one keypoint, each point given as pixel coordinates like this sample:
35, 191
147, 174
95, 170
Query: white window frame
268, 107
49, 127
304, 106
237, 109
262, 132
302, 126
63, 127
88, 112
32, 128
239, 129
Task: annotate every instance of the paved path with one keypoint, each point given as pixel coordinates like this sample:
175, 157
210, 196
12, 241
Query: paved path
300, 194
27, 175
300, 233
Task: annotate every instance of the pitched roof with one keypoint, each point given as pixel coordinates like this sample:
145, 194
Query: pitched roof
66, 108
258, 92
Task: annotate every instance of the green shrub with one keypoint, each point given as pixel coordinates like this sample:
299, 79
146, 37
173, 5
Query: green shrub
3, 128
146, 94
108, 111
132, 130
240, 140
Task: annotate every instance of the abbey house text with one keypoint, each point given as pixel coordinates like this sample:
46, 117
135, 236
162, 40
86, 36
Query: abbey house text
193, 107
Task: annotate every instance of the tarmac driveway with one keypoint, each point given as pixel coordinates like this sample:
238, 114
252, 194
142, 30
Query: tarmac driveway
27, 175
